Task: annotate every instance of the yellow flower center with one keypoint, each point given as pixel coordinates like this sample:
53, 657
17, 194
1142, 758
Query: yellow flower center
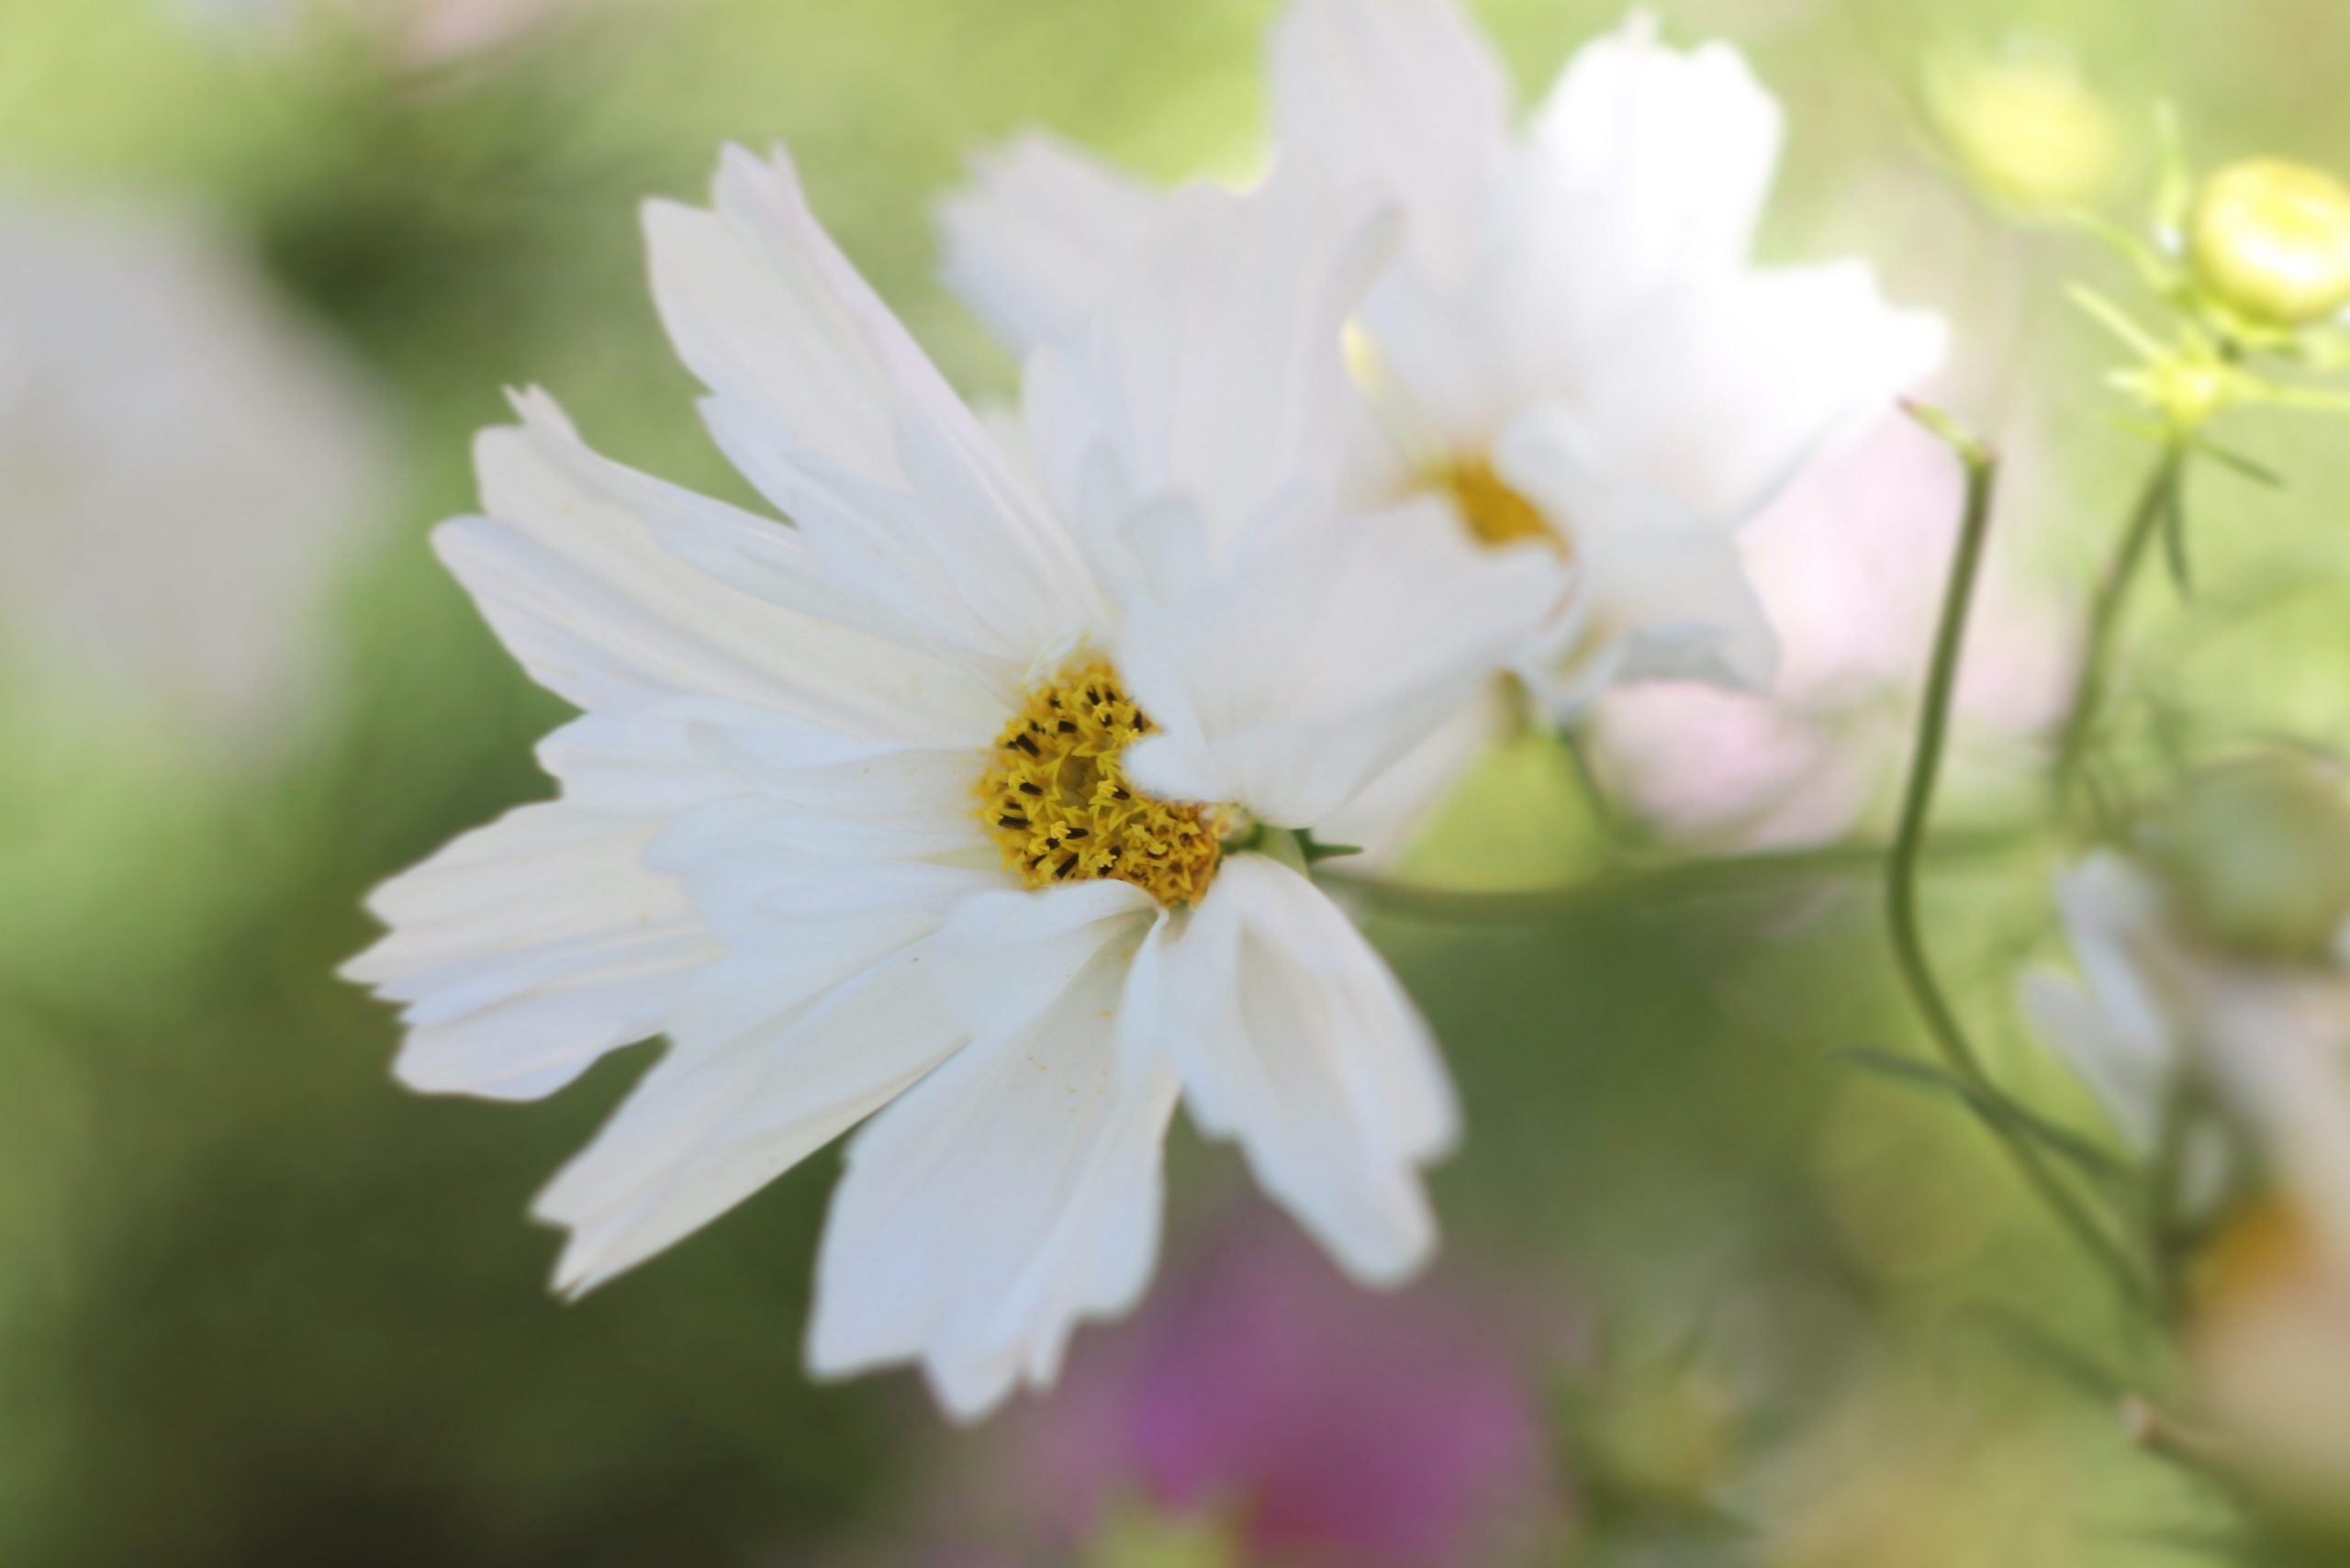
1058, 805
1491, 512
2267, 1247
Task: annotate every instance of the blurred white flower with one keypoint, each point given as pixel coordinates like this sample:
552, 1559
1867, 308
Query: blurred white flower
2216, 978
1850, 564
186, 466
964, 797
2162, 1022
1573, 347
2119, 1027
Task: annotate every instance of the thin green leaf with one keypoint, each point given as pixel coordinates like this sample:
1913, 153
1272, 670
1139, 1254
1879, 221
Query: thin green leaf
2115, 320
2310, 399
1997, 1111
2031, 1340
2237, 463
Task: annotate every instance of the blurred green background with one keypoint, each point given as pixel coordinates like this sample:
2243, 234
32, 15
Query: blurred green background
258, 1306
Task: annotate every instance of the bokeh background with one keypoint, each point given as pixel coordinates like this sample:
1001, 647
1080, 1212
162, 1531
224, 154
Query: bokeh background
1711, 1295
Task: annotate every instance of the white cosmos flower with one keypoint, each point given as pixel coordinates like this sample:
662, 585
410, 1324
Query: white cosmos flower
1573, 346
860, 814
2165, 1018
2157, 1014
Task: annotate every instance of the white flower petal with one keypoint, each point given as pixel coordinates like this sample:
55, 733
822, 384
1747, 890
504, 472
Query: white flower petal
1718, 395
576, 569
1290, 700
1385, 817
1215, 368
1033, 241
527, 949
2279, 1050
1292, 1038
1013, 1192
640, 761
1607, 269
798, 915
2132, 1086
1004, 956
2111, 911
1668, 156
1643, 177
826, 403
844, 798
717, 1119
1400, 96
749, 863
1657, 593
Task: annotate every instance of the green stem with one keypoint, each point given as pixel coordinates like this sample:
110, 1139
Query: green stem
2166, 1174
1681, 881
1595, 794
2157, 501
1926, 993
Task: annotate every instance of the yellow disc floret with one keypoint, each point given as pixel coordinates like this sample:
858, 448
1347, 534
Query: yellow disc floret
1057, 804
1490, 509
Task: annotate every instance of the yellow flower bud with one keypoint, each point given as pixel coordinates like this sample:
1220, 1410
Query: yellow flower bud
2271, 241
2028, 130
2258, 854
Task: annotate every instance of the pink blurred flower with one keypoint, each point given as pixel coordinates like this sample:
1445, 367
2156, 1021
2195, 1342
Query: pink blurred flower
1851, 564
417, 32
1324, 1424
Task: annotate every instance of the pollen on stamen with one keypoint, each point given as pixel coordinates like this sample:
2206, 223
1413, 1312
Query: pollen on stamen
1494, 512
1056, 801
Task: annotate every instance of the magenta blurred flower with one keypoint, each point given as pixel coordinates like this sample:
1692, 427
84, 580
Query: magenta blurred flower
1850, 564
1321, 1422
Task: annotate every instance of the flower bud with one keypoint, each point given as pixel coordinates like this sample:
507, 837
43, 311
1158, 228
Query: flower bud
2270, 241
2027, 129
2258, 854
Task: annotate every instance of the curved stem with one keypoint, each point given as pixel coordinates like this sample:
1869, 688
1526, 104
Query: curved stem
2157, 501
1680, 880
1926, 993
